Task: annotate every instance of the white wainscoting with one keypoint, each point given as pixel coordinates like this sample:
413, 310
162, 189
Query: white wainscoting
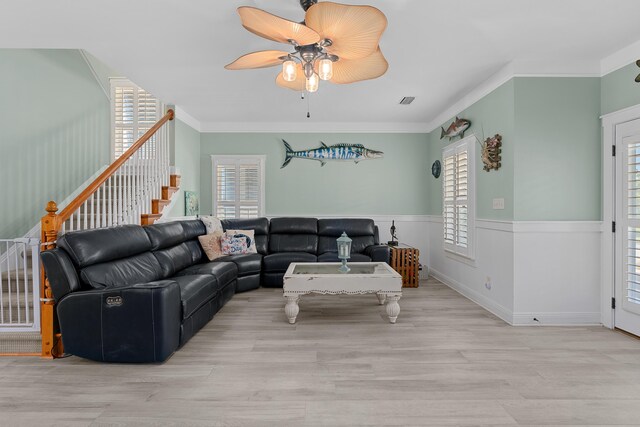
557, 272
494, 261
547, 270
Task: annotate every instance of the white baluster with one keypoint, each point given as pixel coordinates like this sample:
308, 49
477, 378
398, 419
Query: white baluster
16, 254
92, 203
9, 283
110, 204
119, 196
86, 219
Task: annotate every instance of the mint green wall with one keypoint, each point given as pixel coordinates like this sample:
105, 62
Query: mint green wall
619, 89
557, 149
54, 121
186, 157
492, 114
395, 184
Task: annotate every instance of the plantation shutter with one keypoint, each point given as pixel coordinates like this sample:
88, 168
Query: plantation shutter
135, 111
238, 187
457, 197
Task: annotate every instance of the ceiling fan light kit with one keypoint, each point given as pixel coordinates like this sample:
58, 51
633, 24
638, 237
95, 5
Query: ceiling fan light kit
336, 43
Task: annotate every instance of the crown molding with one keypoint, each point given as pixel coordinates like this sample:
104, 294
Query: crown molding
621, 58
188, 119
510, 71
316, 127
483, 89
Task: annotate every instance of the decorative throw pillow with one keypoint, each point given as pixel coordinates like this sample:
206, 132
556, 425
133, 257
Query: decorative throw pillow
250, 235
232, 245
211, 223
211, 245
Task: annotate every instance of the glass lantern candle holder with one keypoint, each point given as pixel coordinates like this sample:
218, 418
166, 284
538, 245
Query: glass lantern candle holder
344, 251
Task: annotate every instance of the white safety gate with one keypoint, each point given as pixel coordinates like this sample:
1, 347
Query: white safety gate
20, 285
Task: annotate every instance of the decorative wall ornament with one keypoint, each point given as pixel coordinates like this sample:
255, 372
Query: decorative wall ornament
191, 203
491, 150
638, 77
456, 128
436, 168
338, 152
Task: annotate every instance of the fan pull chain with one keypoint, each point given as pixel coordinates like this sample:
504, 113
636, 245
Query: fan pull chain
308, 108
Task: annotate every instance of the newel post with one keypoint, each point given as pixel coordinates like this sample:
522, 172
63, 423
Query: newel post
51, 342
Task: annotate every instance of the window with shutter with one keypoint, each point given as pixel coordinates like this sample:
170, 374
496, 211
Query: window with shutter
134, 111
238, 186
458, 197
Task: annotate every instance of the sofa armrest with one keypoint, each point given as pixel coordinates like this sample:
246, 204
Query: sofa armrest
377, 253
137, 323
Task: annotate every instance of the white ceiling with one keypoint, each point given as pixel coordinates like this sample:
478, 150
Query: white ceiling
438, 51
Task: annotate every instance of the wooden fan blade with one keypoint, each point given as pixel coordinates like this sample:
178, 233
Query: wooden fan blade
298, 84
638, 62
354, 31
638, 79
355, 70
260, 59
273, 27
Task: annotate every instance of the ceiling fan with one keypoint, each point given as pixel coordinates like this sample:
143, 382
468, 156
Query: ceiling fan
335, 42
638, 77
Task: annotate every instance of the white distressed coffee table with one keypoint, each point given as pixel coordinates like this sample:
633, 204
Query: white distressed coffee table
324, 278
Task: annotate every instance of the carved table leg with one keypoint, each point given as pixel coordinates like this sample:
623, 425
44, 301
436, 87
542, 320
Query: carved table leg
291, 309
393, 308
381, 298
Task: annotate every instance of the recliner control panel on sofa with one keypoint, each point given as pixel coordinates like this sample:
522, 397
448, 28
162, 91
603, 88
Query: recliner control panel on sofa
136, 294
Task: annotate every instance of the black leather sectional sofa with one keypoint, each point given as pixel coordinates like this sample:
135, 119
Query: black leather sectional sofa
136, 294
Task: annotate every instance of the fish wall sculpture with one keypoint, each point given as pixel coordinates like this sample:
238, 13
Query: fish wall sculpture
338, 152
457, 128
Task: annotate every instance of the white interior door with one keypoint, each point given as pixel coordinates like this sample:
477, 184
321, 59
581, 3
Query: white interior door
627, 272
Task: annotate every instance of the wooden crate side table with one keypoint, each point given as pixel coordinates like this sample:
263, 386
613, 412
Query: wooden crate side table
406, 261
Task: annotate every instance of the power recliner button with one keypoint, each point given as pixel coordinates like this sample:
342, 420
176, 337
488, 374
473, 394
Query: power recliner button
114, 301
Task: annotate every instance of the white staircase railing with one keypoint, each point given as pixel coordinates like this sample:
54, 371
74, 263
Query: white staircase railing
127, 193
19, 285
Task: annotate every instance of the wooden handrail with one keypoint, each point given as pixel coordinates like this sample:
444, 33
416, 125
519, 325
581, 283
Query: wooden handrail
65, 214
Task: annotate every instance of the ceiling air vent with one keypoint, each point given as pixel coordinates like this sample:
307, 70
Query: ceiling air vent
407, 100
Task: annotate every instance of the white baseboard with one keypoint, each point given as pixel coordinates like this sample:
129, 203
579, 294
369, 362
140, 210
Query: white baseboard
486, 303
556, 319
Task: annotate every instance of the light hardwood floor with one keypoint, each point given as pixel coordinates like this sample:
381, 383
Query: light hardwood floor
446, 362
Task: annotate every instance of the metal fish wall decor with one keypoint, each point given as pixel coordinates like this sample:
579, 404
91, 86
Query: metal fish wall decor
337, 152
456, 128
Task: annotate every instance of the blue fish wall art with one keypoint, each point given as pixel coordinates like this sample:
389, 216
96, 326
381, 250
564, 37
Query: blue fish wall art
337, 152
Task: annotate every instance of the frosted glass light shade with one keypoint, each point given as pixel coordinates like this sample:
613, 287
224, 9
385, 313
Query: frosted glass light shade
312, 83
289, 71
325, 69
297, 85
